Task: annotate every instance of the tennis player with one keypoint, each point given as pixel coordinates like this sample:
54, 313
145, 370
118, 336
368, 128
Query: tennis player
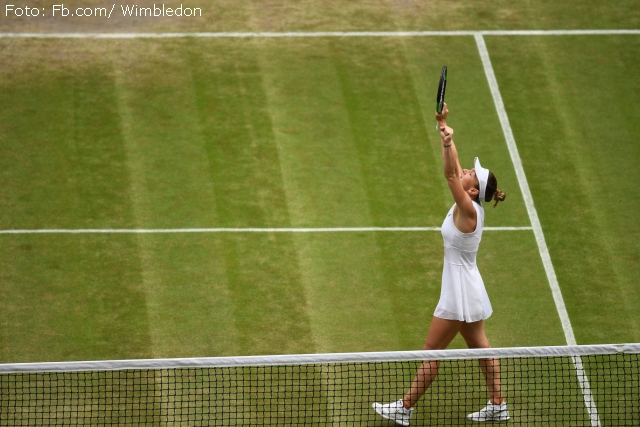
464, 304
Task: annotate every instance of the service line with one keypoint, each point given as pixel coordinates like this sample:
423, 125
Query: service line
236, 230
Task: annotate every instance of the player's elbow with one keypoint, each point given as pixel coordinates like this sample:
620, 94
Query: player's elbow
450, 176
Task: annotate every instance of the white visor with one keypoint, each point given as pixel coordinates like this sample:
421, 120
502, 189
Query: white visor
483, 175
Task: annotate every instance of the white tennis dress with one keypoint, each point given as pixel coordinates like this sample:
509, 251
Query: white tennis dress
463, 295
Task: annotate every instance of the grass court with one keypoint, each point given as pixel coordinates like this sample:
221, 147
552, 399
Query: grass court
300, 132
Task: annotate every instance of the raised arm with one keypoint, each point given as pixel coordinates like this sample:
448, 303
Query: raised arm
465, 214
449, 151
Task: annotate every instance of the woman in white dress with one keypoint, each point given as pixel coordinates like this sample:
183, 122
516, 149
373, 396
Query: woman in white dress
464, 304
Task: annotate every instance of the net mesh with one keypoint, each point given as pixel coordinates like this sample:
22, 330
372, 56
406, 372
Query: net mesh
562, 390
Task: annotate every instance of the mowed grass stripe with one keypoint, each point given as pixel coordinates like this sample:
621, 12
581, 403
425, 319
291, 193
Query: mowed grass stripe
56, 168
574, 116
398, 164
65, 299
235, 121
324, 185
264, 278
167, 164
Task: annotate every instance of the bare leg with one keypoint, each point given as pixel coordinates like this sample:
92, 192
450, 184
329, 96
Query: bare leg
475, 337
441, 333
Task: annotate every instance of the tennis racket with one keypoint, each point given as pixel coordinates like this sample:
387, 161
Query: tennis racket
442, 87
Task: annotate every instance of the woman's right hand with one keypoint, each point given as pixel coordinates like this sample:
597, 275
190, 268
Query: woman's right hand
442, 117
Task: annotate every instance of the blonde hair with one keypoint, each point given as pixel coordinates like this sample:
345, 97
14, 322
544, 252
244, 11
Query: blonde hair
498, 196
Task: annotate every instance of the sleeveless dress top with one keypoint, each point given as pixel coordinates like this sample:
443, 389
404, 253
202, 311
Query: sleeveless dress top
463, 295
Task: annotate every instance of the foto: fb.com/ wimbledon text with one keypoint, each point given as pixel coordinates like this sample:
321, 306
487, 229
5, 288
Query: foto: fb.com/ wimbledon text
63, 11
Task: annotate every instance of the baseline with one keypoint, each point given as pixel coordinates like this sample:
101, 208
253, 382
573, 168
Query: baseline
292, 34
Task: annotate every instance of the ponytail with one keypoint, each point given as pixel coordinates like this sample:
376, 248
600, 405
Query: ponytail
492, 192
498, 196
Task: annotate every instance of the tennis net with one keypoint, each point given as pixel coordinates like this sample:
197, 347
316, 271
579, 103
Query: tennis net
550, 386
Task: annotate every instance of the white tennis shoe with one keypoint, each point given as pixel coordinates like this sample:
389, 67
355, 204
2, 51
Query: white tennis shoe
394, 411
491, 412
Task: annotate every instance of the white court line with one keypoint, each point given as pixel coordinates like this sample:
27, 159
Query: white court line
239, 230
294, 34
537, 228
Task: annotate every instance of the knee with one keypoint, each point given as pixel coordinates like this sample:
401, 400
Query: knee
433, 346
478, 344
478, 341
